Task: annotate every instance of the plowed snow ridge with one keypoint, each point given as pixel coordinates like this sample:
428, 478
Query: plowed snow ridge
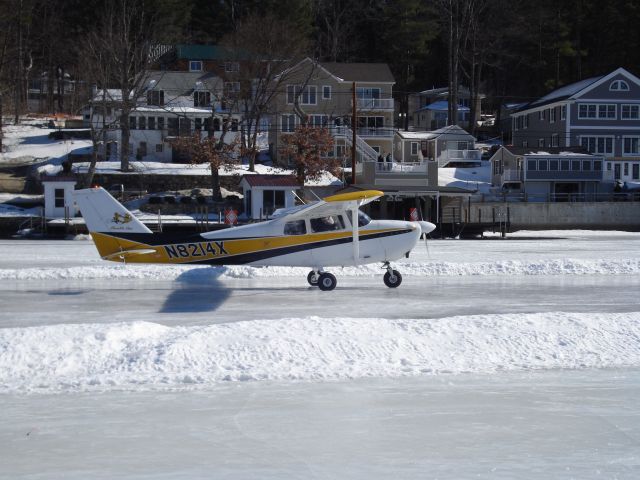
174, 272
140, 355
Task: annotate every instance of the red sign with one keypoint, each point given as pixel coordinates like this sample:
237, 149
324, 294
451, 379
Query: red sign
413, 214
230, 216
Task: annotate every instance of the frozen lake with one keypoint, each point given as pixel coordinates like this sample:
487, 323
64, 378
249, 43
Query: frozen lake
515, 358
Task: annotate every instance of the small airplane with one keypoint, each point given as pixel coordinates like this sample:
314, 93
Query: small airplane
329, 232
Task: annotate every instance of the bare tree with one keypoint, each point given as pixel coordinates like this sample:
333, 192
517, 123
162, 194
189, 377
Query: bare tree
266, 48
124, 39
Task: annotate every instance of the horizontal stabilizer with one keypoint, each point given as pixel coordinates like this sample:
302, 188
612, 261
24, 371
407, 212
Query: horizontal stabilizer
129, 253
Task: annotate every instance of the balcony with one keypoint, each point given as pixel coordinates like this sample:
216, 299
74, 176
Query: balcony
512, 176
375, 103
375, 132
459, 156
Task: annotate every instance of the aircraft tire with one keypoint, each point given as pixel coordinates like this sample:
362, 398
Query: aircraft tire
327, 282
392, 281
313, 278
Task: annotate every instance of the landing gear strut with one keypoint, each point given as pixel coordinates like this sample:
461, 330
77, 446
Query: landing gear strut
392, 278
312, 278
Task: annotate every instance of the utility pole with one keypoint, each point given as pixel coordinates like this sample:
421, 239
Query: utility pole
354, 122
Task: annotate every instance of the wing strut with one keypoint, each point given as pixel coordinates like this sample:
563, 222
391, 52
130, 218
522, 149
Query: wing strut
353, 206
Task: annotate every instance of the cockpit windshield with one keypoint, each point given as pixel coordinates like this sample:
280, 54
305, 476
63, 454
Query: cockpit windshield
363, 218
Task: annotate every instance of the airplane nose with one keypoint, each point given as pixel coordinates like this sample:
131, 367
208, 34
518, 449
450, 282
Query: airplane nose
426, 227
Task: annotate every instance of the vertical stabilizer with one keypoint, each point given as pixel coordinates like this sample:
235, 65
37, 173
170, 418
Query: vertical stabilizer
104, 214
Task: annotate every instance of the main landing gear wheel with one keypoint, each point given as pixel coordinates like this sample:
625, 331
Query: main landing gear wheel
392, 279
326, 281
312, 278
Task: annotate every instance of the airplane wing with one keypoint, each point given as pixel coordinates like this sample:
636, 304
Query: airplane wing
332, 204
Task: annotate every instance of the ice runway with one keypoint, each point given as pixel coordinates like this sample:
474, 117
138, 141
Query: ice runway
494, 359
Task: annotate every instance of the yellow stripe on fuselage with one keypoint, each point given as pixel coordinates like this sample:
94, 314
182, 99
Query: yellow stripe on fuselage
210, 249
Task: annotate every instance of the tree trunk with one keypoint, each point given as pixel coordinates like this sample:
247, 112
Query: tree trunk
216, 192
124, 139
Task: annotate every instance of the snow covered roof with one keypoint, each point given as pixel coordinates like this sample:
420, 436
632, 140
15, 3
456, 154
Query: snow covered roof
449, 130
547, 151
442, 106
360, 72
562, 93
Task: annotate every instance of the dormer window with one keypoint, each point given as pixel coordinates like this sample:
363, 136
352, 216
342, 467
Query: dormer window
201, 99
619, 86
155, 97
195, 65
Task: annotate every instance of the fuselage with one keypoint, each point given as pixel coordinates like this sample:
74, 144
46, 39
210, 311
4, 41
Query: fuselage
273, 243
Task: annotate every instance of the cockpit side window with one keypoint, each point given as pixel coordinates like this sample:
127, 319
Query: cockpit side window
363, 218
327, 224
296, 227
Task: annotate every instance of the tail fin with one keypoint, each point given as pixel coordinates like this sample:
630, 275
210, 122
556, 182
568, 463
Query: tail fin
104, 214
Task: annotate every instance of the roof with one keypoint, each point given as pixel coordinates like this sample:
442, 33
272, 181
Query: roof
288, 181
450, 130
204, 52
523, 151
360, 72
441, 106
561, 93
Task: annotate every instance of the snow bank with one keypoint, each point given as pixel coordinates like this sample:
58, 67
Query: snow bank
204, 273
142, 355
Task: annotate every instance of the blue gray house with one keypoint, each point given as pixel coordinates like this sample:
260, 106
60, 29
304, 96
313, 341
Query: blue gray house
600, 114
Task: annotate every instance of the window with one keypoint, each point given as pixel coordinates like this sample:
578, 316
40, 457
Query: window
318, 120
636, 171
230, 67
542, 165
525, 121
630, 112
607, 111
363, 218
366, 93
586, 165
563, 112
297, 227
308, 96
555, 140
553, 165
601, 145
159, 147
160, 123
626, 169
132, 123
152, 123
619, 86
586, 110
541, 115
142, 123
58, 196
575, 165
597, 165
195, 65
631, 146
198, 124
288, 123
231, 88
525, 143
564, 165
414, 148
155, 97
532, 165
541, 142
326, 92
327, 224
201, 99
616, 171
552, 115
272, 200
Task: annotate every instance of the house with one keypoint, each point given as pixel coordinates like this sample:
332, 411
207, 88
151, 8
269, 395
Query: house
449, 146
428, 110
172, 104
548, 174
324, 93
264, 194
601, 114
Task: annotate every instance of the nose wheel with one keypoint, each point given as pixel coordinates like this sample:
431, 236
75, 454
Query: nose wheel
392, 278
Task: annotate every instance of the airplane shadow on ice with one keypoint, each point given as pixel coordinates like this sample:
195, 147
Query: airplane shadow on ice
197, 290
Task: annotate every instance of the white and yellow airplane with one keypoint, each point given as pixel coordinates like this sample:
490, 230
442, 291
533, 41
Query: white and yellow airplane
316, 235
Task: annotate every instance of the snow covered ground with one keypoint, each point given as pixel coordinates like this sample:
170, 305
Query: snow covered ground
515, 358
28, 144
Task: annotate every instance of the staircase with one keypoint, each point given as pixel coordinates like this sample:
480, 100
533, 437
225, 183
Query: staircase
367, 153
